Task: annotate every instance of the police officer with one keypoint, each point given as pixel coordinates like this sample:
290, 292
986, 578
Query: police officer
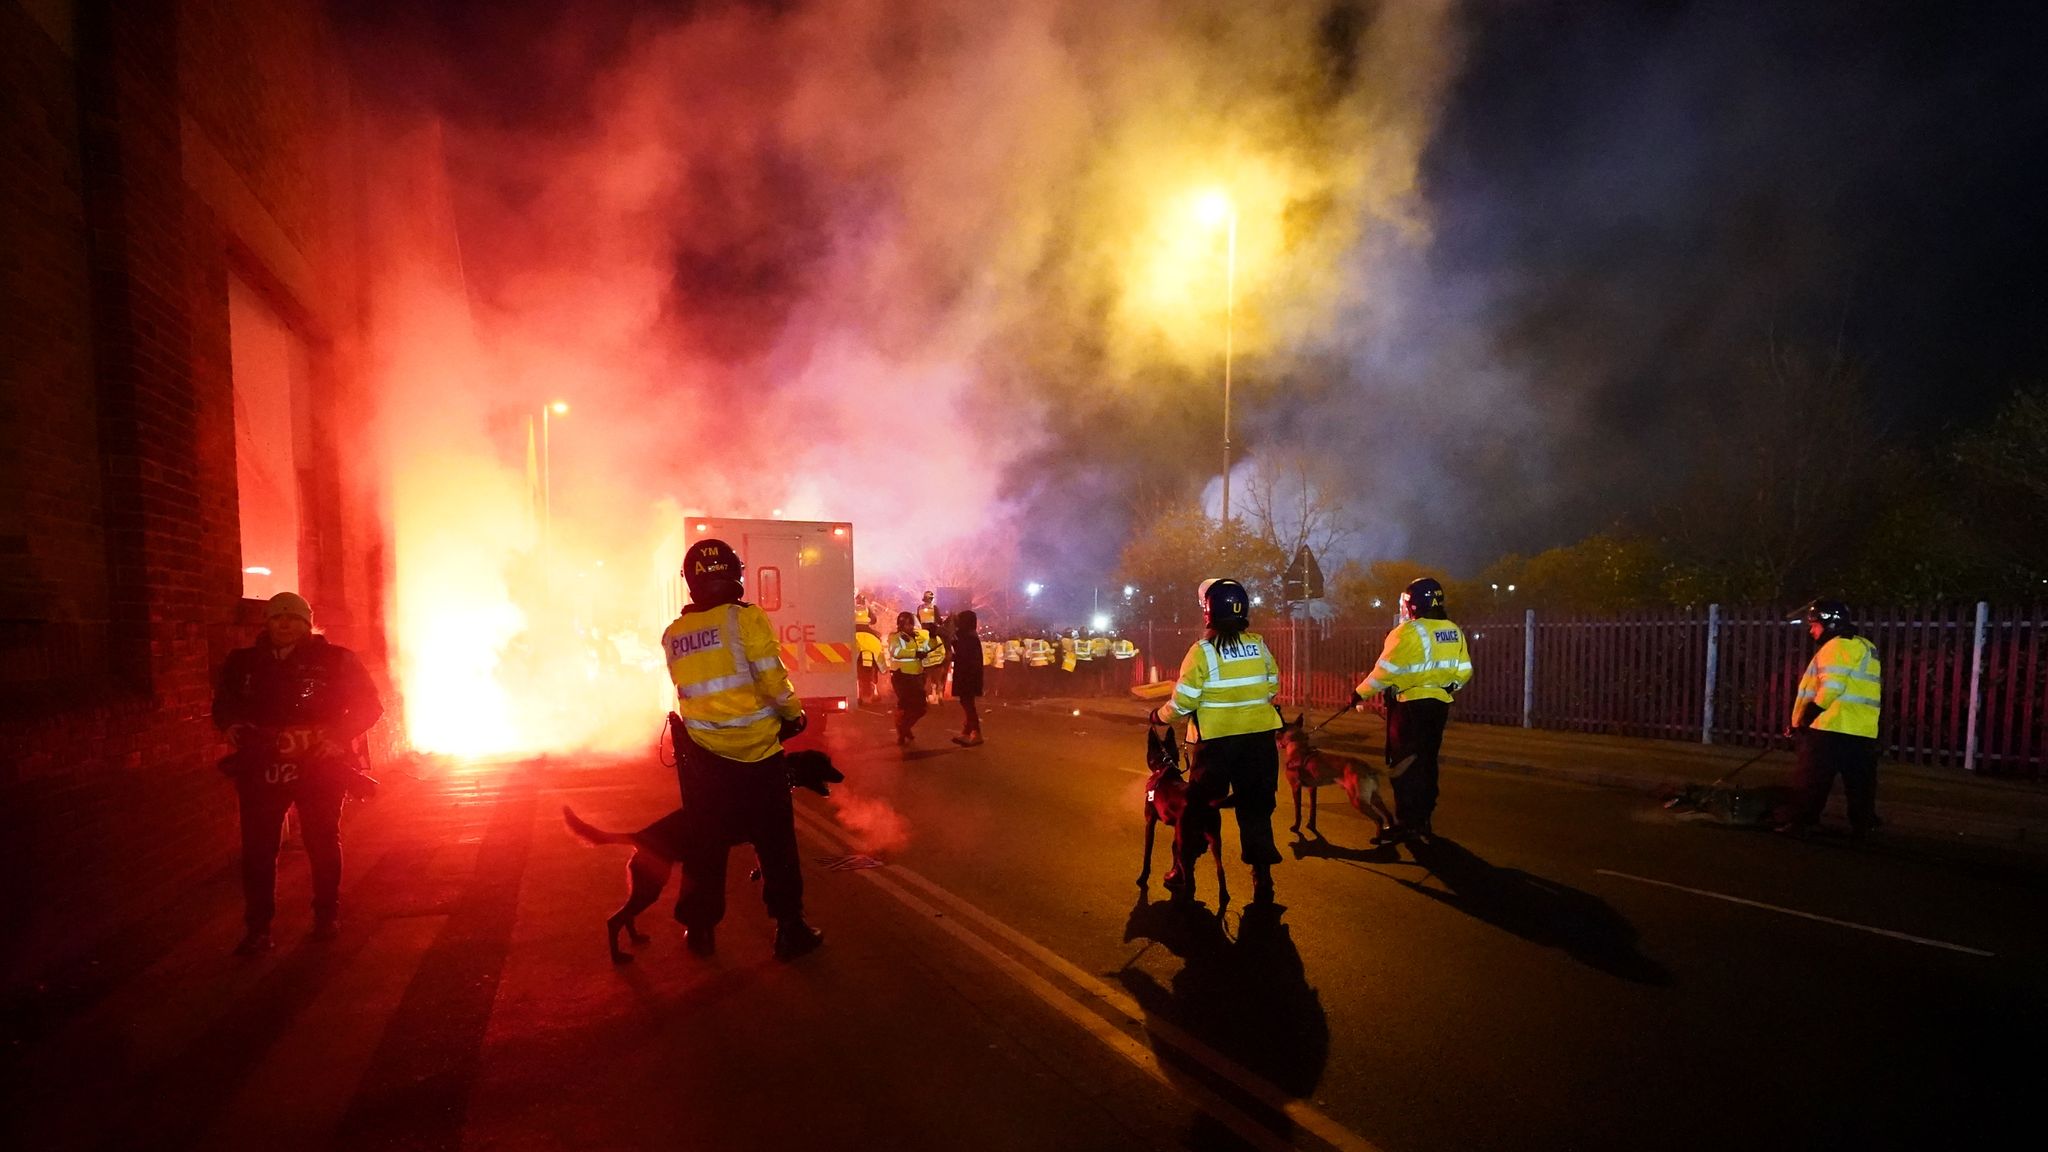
1227, 684
1422, 665
909, 646
737, 705
292, 704
928, 610
1834, 719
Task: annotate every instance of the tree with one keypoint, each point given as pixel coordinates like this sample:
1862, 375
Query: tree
1783, 477
1174, 550
1294, 500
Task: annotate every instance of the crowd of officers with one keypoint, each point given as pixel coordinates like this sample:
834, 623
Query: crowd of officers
294, 708
1019, 664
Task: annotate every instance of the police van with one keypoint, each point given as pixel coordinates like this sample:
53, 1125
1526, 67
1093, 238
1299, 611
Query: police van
800, 572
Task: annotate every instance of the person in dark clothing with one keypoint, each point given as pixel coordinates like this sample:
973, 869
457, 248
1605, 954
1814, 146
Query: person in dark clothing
967, 675
292, 705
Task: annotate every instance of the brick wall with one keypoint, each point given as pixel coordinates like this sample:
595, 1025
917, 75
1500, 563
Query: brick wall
151, 147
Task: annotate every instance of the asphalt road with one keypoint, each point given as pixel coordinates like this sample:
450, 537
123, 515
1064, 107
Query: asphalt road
1567, 968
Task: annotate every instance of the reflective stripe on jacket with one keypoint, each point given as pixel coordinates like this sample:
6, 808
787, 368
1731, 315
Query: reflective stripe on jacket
1423, 659
1846, 680
907, 652
731, 688
1228, 690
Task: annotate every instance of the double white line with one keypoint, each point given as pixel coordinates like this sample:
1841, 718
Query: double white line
1095, 1006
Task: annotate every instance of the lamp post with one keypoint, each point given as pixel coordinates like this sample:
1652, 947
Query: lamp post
547, 489
1216, 208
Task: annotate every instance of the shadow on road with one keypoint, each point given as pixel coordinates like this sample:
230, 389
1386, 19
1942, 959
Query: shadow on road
1538, 910
1247, 997
1315, 847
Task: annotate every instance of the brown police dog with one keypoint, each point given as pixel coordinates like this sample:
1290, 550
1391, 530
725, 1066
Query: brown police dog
1310, 769
1166, 802
657, 847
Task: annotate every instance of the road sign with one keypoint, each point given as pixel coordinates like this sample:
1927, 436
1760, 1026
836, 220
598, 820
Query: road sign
1304, 579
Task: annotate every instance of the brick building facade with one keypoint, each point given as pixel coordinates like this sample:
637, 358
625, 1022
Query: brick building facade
171, 165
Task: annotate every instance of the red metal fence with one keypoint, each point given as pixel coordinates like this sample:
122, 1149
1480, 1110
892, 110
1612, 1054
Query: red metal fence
1719, 675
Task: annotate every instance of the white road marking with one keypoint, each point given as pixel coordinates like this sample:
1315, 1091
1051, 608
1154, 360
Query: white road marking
1873, 930
1300, 1112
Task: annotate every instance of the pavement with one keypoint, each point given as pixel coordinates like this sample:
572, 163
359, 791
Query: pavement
1930, 807
1567, 966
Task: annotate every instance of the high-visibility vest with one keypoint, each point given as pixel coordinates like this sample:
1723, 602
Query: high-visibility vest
1013, 651
1098, 648
1423, 659
1846, 679
927, 614
992, 653
731, 688
1228, 690
862, 614
907, 651
871, 651
1037, 653
1068, 660
1123, 649
1079, 647
935, 654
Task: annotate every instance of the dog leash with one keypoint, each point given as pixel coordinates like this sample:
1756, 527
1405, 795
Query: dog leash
1333, 716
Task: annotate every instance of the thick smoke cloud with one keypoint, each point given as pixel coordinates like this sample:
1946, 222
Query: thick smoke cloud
935, 266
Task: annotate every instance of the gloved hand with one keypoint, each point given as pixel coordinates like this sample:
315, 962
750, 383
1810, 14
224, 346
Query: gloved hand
793, 728
1358, 701
1808, 715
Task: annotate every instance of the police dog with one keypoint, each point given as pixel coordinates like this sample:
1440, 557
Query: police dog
1166, 802
1310, 769
657, 847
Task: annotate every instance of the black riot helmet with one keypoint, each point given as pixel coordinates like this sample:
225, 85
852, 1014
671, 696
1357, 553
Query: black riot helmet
1424, 597
713, 572
1831, 615
1226, 606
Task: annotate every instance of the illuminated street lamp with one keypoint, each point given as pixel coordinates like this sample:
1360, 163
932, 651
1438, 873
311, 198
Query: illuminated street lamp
1215, 208
547, 505
1033, 589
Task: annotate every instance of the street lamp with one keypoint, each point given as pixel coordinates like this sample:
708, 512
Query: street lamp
1214, 208
547, 489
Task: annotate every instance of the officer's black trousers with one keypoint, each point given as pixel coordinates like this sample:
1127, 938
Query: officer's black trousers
910, 701
728, 802
1246, 767
319, 797
1416, 728
1822, 756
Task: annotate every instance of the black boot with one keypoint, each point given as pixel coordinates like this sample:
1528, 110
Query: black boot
1262, 884
794, 938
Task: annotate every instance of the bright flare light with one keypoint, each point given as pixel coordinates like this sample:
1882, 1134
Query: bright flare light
1100, 623
559, 408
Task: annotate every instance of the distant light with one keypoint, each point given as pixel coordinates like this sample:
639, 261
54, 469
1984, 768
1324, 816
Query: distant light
777, 513
559, 408
1495, 587
1213, 207
1375, 601
1129, 591
842, 705
1033, 588
703, 527
1077, 711
1100, 622
839, 531
1258, 600
262, 571
1511, 587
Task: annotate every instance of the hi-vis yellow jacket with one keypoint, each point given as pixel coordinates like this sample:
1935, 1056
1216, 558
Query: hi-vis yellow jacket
907, 652
1423, 659
731, 688
1228, 689
1845, 680
935, 656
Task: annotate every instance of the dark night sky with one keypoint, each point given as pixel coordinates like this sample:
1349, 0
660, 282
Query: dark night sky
1627, 199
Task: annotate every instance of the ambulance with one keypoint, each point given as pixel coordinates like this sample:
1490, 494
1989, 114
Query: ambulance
800, 572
